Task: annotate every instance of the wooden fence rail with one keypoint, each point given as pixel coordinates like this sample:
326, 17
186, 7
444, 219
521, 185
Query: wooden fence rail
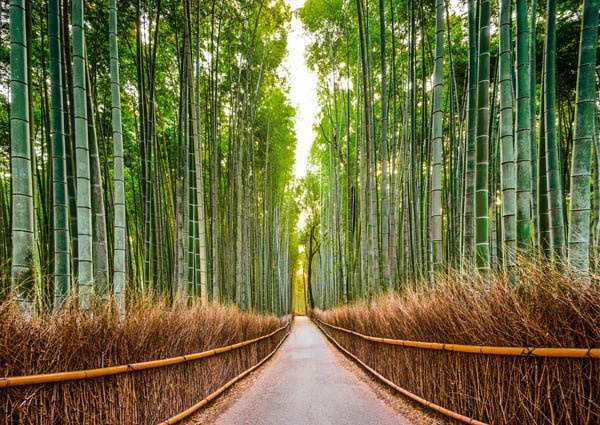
50, 378
567, 353
88, 374
215, 394
457, 384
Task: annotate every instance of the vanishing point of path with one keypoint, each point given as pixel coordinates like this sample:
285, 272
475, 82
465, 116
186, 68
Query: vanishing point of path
306, 385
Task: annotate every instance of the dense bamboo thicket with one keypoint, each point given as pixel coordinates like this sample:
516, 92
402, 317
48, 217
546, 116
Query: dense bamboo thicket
543, 310
76, 340
450, 134
145, 147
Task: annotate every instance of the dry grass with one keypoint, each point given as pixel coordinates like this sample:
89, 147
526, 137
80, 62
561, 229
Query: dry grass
544, 309
75, 340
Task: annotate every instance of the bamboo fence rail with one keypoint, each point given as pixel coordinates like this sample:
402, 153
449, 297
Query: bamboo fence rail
412, 396
492, 386
116, 395
567, 353
49, 378
215, 394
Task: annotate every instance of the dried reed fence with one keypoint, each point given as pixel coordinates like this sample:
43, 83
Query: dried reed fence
543, 310
75, 341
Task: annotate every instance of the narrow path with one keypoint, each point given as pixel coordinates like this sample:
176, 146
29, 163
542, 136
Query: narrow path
306, 385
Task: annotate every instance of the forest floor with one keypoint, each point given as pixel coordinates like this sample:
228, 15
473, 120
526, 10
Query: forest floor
310, 382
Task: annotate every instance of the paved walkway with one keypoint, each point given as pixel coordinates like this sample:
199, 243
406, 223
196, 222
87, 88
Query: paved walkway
306, 385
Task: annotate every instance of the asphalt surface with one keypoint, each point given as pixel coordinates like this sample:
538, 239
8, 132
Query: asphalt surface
306, 385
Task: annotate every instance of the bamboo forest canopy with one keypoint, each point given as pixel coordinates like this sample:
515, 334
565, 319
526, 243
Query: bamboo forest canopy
452, 134
145, 147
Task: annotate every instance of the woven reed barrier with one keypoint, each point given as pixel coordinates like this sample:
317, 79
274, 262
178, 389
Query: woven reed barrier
188, 412
51, 378
483, 384
146, 392
398, 388
568, 353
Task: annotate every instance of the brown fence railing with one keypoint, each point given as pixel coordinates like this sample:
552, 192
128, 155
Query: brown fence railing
215, 394
49, 378
568, 353
13, 383
498, 385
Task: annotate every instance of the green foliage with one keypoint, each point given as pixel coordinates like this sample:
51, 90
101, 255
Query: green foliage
237, 49
275, 121
450, 147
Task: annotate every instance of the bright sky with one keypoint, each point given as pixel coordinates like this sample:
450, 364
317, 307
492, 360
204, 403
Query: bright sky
303, 90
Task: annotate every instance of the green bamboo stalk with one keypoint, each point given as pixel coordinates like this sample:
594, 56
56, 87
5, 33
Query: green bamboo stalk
533, 119
507, 154
99, 232
596, 213
437, 142
119, 224
190, 205
60, 216
495, 228
23, 231
84, 207
555, 190
413, 187
385, 202
188, 191
69, 136
214, 162
469, 201
542, 192
523, 130
585, 130
394, 148
5, 238
482, 243
203, 275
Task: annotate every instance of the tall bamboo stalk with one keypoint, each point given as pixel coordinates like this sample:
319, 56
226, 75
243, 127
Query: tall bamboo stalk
507, 154
482, 140
555, 191
385, 202
585, 131
23, 230
119, 224
82, 159
62, 237
437, 142
468, 225
523, 129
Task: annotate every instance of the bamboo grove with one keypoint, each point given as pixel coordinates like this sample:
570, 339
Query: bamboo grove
145, 148
452, 134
